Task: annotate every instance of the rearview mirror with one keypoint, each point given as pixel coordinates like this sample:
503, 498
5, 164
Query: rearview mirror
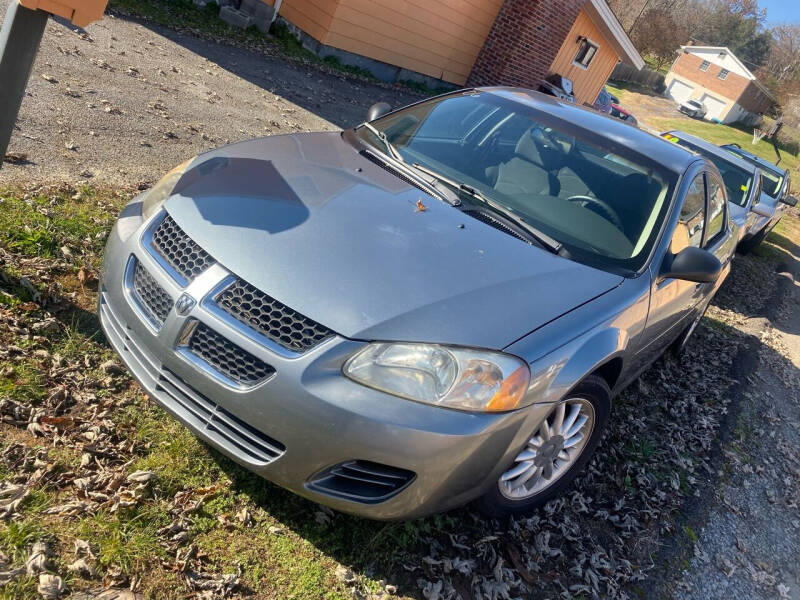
693, 264
377, 110
762, 210
790, 200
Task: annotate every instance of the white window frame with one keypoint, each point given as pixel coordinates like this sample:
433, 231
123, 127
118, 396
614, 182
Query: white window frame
704, 65
723, 74
591, 43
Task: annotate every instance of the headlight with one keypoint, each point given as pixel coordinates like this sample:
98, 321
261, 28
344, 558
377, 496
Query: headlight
460, 378
161, 191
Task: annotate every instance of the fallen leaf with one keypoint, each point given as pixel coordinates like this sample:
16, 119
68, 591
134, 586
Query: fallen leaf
420, 206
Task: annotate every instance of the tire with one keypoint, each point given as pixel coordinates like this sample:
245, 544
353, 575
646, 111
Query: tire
592, 391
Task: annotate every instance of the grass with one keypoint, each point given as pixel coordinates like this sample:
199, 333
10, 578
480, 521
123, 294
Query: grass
299, 561
727, 134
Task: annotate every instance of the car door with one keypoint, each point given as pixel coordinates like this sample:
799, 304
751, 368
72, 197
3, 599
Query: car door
672, 301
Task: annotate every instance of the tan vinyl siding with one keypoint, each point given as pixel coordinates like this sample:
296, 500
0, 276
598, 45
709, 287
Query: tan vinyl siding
441, 39
312, 16
587, 82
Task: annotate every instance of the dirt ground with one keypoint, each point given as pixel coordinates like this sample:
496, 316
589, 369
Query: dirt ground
124, 102
693, 493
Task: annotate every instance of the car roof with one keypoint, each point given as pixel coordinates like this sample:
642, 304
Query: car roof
754, 158
713, 149
616, 131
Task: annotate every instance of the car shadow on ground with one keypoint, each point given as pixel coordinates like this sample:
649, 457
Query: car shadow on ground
673, 411
340, 100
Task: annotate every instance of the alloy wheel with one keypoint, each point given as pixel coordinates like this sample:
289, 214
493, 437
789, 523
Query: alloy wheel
552, 450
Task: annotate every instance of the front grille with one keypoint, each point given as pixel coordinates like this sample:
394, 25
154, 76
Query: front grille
151, 297
496, 223
271, 318
218, 422
362, 481
227, 358
179, 250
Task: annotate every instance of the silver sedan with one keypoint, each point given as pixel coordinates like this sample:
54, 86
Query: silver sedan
435, 307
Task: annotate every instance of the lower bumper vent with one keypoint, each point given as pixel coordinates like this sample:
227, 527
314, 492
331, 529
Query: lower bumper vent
362, 481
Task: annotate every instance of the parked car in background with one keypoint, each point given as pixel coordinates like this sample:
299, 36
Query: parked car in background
359, 316
775, 186
622, 113
743, 184
693, 108
603, 102
559, 86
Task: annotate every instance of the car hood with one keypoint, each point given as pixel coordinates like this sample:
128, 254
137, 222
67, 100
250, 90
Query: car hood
322, 229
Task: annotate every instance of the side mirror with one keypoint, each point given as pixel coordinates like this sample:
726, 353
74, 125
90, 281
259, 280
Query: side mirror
377, 110
693, 264
789, 200
762, 210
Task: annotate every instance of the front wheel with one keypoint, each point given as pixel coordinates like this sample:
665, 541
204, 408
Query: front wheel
555, 453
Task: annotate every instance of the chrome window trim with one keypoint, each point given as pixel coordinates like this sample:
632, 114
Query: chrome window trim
182, 350
148, 244
133, 297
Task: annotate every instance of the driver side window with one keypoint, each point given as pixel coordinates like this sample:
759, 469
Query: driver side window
691, 222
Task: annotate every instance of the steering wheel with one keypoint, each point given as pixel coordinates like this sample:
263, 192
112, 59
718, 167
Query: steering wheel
598, 206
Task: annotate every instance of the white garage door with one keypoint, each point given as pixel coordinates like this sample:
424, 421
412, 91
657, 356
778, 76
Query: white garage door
679, 91
714, 106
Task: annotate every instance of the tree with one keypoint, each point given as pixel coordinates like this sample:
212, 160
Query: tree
737, 24
658, 34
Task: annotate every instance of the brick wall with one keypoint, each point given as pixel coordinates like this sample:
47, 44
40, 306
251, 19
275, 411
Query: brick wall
523, 42
688, 66
754, 100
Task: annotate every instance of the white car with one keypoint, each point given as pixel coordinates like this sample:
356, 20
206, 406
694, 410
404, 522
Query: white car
693, 108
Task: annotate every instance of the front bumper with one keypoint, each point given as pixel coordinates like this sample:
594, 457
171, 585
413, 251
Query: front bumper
306, 417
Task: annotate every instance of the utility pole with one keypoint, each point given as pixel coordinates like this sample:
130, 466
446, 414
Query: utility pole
20, 35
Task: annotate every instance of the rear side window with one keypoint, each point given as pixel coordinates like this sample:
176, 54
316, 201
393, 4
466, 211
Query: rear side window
693, 212
716, 209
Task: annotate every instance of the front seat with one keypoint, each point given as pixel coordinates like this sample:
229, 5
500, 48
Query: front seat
523, 173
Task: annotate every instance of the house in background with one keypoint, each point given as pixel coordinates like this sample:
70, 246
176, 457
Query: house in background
467, 42
713, 76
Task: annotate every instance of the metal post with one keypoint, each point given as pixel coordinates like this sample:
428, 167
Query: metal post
19, 42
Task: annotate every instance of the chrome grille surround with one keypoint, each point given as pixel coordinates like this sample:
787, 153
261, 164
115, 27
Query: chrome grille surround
184, 257
269, 317
234, 364
154, 301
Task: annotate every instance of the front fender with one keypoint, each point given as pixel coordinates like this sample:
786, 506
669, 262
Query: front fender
564, 352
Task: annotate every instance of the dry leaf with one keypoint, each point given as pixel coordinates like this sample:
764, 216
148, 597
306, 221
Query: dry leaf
420, 206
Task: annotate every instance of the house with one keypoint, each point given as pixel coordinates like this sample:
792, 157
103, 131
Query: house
713, 76
467, 42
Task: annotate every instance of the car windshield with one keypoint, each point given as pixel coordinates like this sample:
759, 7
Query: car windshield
737, 181
603, 202
695, 103
771, 180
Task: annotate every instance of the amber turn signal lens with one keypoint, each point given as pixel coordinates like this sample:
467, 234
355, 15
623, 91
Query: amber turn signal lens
511, 391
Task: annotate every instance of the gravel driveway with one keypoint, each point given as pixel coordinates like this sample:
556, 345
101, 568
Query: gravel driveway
123, 102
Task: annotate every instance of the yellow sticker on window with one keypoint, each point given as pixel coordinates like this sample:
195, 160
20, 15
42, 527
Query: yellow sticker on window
744, 188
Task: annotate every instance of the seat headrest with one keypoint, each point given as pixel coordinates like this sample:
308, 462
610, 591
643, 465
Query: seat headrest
527, 149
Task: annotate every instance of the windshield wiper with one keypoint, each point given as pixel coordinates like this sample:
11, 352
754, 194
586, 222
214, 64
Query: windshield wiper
542, 238
382, 137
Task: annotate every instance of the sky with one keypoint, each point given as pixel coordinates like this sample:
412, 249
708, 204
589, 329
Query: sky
781, 11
